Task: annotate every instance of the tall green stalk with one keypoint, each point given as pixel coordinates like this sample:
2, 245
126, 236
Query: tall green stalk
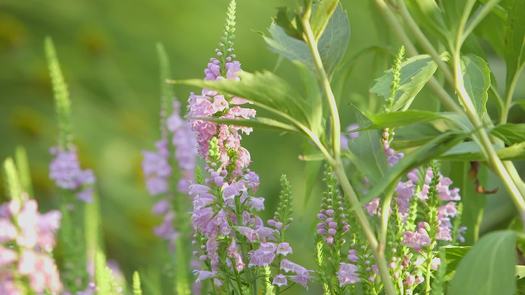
336, 162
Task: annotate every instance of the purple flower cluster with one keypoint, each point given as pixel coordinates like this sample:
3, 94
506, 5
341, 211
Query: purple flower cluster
185, 147
417, 239
26, 241
328, 226
156, 168
224, 206
347, 274
65, 171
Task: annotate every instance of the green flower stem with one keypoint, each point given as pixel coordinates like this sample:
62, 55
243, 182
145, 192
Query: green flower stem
325, 83
446, 100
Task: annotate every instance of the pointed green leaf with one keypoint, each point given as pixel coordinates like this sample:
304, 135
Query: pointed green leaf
415, 73
332, 45
404, 118
366, 152
510, 133
470, 151
280, 99
476, 73
334, 41
322, 15
488, 268
453, 255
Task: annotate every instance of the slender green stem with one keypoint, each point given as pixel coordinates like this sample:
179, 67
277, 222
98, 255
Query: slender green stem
337, 164
478, 17
484, 139
327, 88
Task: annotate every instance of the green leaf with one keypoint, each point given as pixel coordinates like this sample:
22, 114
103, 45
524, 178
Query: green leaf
454, 11
322, 15
488, 268
366, 151
332, 45
473, 202
470, 151
510, 133
334, 41
280, 99
404, 118
415, 73
289, 47
413, 159
476, 73
515, 38
453, 255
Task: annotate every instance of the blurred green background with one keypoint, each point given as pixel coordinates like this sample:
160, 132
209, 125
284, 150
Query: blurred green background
107, 53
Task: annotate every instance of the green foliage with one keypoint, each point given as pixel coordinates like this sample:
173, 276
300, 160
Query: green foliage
510, 133
61, 94
489, 267
12, 181
415, 73
476, 73
322, 15
137, 289
332, 45
453, 256
404, 118
366, 152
